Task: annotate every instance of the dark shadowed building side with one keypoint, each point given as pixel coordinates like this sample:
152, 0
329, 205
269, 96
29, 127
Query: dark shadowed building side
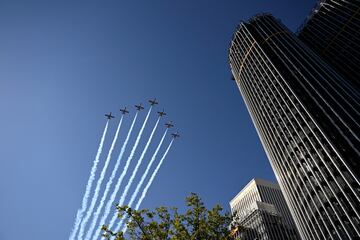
333, 31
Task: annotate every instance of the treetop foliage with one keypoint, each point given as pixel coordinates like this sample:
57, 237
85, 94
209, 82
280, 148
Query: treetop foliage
166, 223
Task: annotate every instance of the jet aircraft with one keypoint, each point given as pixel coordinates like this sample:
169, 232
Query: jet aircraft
175, 135
169, 124
162, 113
139, 107
109, 116
153, 102
124, 111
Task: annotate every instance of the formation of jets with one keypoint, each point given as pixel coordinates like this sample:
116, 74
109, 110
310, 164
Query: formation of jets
140, 107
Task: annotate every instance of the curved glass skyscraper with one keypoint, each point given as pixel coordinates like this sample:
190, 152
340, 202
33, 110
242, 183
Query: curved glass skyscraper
308, 119
333, 32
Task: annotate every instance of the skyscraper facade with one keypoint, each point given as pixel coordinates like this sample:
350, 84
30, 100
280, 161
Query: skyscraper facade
262, 212
308, 120
333, 31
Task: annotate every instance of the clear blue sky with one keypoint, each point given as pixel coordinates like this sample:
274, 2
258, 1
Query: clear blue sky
63, 64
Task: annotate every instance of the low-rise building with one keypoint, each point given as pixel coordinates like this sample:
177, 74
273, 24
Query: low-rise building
262, 212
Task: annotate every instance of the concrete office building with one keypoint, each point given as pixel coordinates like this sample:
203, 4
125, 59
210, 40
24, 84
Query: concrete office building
263, 212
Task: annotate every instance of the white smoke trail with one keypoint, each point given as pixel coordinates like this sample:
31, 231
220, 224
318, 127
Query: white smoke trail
112, 199
108, 184
153, 176
98, 184
131, 179
143, 195
143, 177
85, 199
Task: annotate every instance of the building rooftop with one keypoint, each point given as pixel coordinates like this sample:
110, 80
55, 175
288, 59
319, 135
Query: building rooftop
254, 182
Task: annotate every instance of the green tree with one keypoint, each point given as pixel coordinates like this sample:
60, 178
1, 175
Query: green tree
197, 223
